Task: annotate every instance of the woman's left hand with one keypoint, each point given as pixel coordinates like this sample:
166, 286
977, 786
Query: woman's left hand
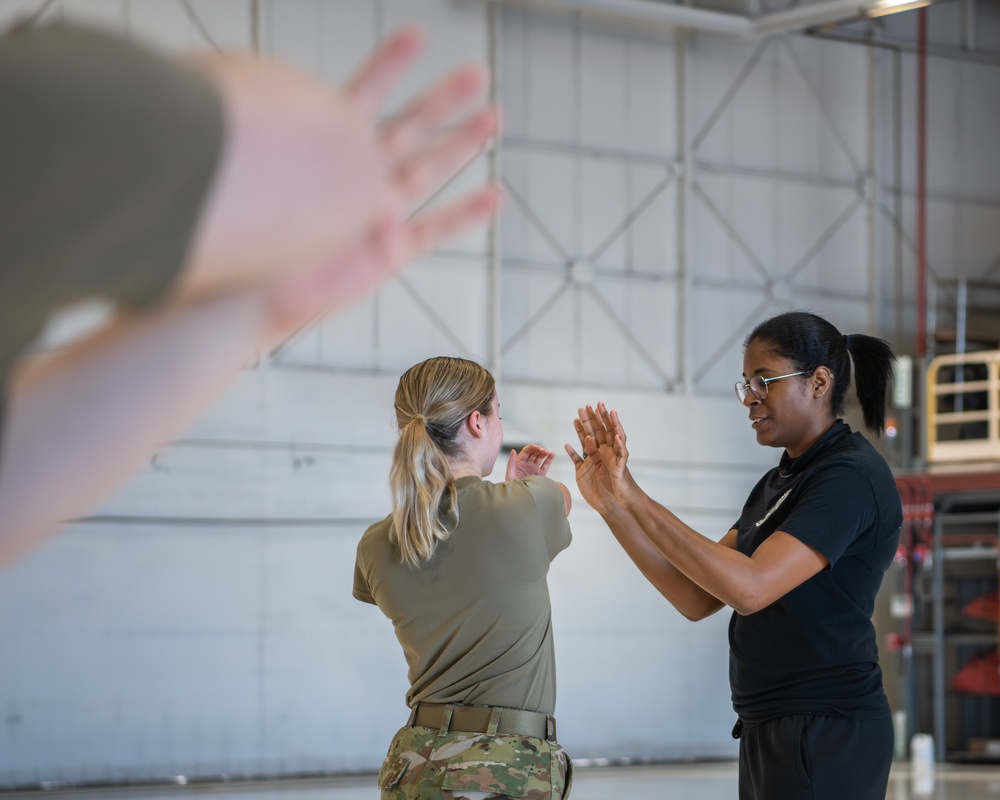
532, 460
602, 470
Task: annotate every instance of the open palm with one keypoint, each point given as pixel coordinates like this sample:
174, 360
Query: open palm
601, 471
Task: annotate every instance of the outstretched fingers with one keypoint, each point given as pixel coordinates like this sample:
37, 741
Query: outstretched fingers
511, 472
599, 425
532, 460
585, 416
613, 426
432, 228
429, 141
574, 456
581, 459
420, 172
545, 462
410, 128
584, 432
375, 78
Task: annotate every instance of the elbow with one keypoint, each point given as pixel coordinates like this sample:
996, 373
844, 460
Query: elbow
749, 595
748, 604
699, 609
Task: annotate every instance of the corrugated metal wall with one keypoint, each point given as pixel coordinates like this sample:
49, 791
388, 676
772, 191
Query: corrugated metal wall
666, 191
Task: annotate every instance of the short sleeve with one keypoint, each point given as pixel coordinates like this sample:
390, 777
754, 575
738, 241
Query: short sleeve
361, 591
107, 153
551, 506
835, 513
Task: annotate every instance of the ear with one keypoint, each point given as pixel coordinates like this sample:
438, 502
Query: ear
821, 381
474, 424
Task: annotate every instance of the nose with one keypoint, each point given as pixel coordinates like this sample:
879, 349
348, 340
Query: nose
750, 400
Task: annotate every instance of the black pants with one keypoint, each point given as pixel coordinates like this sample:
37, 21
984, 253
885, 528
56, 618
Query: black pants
816, 757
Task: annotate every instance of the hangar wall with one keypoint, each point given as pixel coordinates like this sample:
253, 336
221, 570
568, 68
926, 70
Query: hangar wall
666, 190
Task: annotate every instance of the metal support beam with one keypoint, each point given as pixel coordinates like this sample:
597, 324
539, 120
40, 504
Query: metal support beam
680, 15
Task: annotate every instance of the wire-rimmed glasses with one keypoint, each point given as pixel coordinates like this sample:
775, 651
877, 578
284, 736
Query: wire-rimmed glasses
758, 385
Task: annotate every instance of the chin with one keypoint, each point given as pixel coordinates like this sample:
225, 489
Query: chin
765, 441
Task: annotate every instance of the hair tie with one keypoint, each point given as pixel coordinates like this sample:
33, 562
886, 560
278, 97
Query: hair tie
421, 417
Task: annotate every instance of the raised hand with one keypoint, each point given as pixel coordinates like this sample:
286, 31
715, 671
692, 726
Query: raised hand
615, 454
419, 155
592, 477
294, 301
602, 470
316, 202
532, 460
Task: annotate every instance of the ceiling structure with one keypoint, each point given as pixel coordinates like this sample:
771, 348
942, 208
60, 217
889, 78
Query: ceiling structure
971, 30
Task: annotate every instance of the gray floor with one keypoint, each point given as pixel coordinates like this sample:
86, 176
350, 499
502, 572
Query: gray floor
712, 781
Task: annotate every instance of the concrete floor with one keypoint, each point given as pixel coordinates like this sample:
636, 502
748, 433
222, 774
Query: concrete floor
702, 781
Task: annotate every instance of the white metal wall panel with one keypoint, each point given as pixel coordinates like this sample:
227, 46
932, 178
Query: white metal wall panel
963, 205
414, 315
587, 243
538, 55
229, 650
201, 23
778, 216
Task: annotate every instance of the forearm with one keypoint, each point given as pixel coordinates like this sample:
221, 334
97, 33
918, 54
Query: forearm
720, 570
685, 566
80, 420
684, 594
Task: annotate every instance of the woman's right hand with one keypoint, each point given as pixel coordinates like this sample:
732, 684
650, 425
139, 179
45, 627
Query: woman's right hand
532, 460
602, 471
597, 468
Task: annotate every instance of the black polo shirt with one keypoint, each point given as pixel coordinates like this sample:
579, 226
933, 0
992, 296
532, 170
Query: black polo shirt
814, 649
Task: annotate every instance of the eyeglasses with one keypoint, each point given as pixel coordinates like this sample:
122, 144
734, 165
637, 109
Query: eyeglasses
758, 385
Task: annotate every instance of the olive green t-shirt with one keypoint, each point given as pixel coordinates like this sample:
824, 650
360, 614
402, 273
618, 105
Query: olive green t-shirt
475, 621
107, 152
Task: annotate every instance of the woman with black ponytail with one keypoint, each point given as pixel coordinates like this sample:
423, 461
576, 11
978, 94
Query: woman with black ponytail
800, 567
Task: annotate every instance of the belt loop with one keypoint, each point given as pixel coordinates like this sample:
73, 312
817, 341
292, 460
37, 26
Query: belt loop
550, 728
413, 715
491, 729
446, 719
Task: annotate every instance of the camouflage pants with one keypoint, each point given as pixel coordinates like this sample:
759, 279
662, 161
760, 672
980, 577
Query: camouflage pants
425, 764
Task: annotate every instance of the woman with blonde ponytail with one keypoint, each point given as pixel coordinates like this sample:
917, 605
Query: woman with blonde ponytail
460, 567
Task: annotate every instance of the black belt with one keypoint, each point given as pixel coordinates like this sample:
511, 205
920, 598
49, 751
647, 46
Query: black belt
484, 719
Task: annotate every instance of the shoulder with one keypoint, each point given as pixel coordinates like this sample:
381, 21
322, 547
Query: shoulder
521, 489
545, 492
856, 456
845, 469
540, 484
380, 528
375, 536
851, 453
854, 474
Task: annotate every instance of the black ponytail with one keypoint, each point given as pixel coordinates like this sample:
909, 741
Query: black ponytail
873, 360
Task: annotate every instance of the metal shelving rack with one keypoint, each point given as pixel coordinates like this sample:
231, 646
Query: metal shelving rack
965, 549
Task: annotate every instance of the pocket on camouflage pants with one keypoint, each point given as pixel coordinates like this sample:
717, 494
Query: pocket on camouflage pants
423, 763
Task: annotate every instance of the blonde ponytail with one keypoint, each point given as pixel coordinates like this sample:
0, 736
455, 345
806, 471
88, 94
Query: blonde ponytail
433, 400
